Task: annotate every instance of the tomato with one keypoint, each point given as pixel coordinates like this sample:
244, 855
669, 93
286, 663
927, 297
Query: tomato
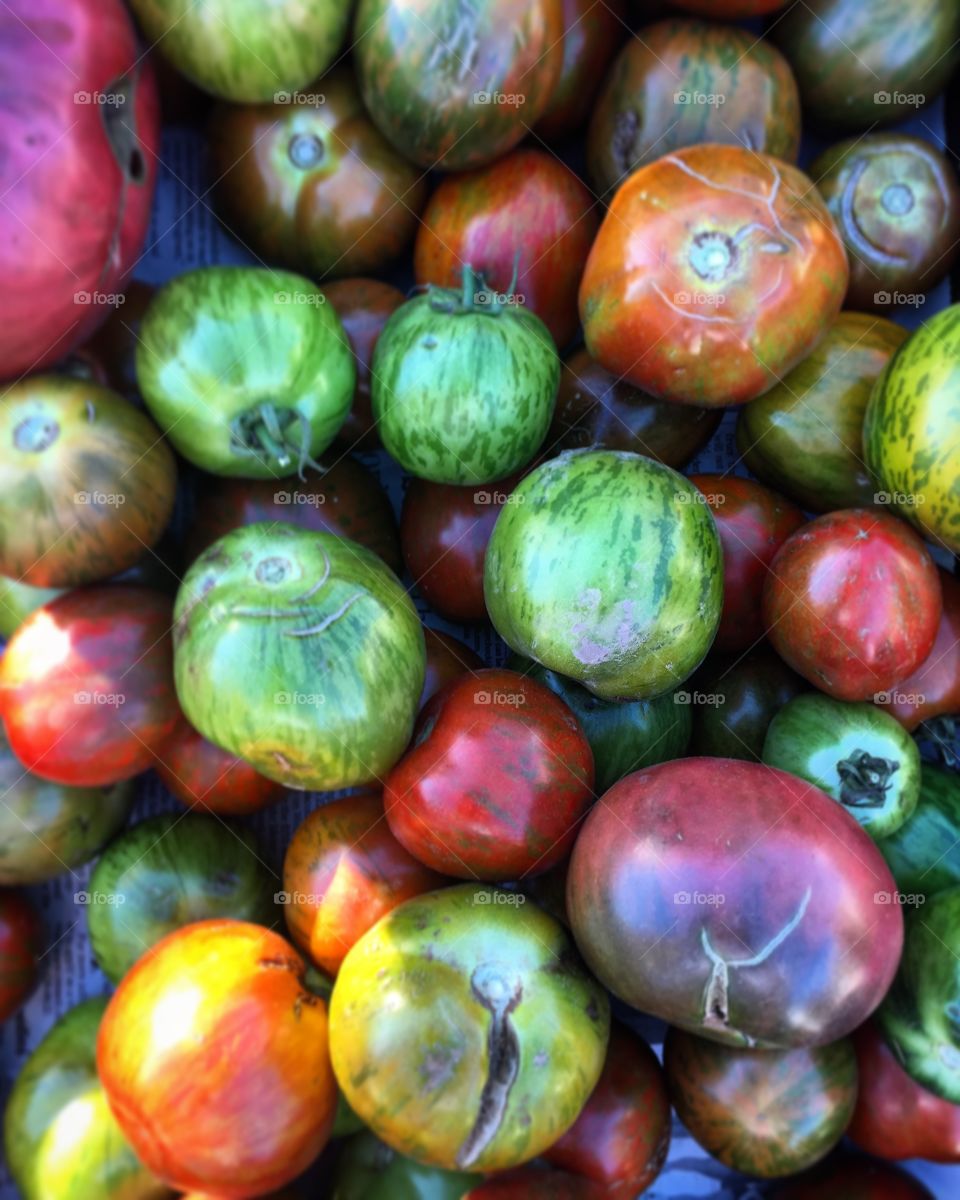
852, 602
61, 1140
715, 271
342, 872
804, 435
437, 416
680, 83
766, 1113
299, 652
86, 686
241, 51
604, 569
314, 186
447, 659
595, 408
492, 1039
911, 435
896, 201
369, 1170
924, 853
210, 780
114, 346
496, 782
710, 893
79, 154
247, 370
21, 938
453, 85
622, 1135
343, 498
591, 34
853, 1178
86, 482
753, 524
525, 223
364, 306
730, 8
537, 1181
444, 532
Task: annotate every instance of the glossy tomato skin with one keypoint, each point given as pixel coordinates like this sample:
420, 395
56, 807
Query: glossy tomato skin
527, 212
20, 948
447, 659
669, 297
689, 847
252, 1044
86, 686
622, 1136
314, 186
210, 780
369, 1169
342, 872
852, 602
591, 35
753, 524
853, 1178
78, 175
497, 780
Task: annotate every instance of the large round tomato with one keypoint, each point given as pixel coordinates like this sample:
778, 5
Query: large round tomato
79, 148
525, 223
310, 183
86, 686
852, 602
20, 949
211, 780
447, 659
715, 272
591, 34
711, 892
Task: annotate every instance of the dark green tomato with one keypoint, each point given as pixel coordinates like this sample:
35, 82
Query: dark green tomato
465, 1030
595, 408
301, 653
859, 64
624, 735
47, 829
763, 1112
735, 699
454, 84
856, 753
804, 436
607, 568
683, 82
369, 1170
62, 1141
464, 385
920, 1016
896, 202
170, 871
248, 371
924, 854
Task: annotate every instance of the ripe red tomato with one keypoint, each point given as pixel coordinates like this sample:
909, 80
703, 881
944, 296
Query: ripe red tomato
526, 211
852, 602
208, 779
20, 936
496, 782
447, 659
592, 33
86, 685
753, 523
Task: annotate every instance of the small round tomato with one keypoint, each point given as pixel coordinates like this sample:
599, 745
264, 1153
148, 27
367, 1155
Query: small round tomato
211, 780
753, 524
447, 659
222, 1006
853, 1178
496, 782
716, 271
852, 602
591, 34
525, 223
86, 686
20, 937
343, 871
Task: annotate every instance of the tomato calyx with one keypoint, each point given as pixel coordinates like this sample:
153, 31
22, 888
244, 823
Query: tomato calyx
865, 779
713, 255
897, 199
306, 151
36, 433
267, 433
475, 295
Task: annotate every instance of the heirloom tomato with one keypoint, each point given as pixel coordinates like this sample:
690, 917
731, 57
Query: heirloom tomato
853, 1178
852, 602
715, 271
710, 893
447, 659
924, 853
368, 1169
20, 949
204, 777
86, 686
591, 34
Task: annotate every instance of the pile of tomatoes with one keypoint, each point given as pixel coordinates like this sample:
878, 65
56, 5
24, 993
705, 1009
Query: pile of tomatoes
708, 772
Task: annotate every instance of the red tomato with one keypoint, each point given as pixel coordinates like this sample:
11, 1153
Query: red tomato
20, 936
343, 871
447, 659
213, 1056
527, 204
852, 602
591, 36
753, 523
496, 782
208, 779
86, 685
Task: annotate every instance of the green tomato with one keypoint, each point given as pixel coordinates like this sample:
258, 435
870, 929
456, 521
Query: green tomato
924, 853
856, 753
464, 385
18, 600
301, 653
606, 567
62, 1141
248, 371
369, 1170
